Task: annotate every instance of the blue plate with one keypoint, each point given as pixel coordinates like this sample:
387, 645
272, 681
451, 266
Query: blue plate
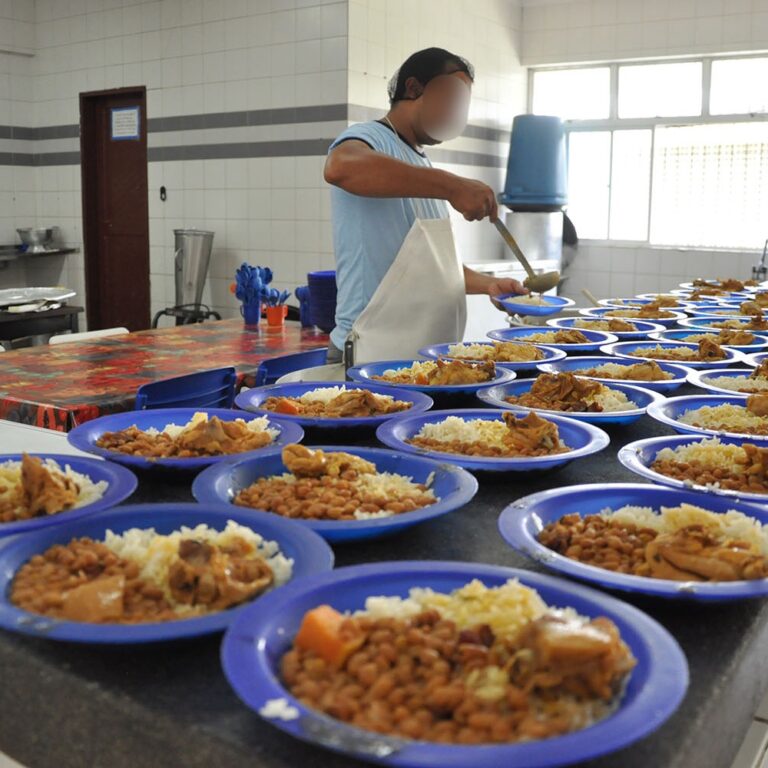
643, 326
679, 372
597, 312
310, 554
121, 483
638, 456
759, 342
551, 306
669, 411
642, 398
755, 358
702, 379
257, 640
252, 399
583, 439
522, 521
364, 374
85, 436
549, 352
624, 348
453, 486
595, 338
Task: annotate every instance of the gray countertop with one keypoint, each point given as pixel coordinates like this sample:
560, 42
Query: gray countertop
66, 706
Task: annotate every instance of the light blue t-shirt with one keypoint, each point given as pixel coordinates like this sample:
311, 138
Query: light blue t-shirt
369, 231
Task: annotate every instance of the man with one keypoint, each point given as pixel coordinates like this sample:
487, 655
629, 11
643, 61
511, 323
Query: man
384, 188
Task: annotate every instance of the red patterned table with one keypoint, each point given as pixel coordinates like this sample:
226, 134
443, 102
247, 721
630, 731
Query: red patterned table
61, 386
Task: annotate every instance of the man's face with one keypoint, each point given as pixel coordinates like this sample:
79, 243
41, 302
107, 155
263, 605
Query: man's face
443, 108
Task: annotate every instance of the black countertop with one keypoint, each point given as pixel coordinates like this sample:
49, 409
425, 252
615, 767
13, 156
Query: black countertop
69, 706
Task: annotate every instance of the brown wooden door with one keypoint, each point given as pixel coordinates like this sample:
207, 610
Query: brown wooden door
113, 152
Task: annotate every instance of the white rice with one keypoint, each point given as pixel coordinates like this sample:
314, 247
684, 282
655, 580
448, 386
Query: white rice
536, 300
326, 394
731, 524
681, 352
506, 609
88, 491
471, 351
738, 383
730, 418
599, 325
418, 367
465, 431
477, 351
258, 424
455, 428
154, 553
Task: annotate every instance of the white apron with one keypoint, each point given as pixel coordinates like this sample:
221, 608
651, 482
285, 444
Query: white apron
420, 301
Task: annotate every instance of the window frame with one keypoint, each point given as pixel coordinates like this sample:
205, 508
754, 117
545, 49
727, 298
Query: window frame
615, 123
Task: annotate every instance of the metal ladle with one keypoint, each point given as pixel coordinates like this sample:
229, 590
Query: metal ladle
534, 283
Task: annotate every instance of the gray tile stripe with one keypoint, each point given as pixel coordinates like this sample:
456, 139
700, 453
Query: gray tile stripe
313, 114
291, 115
295, 148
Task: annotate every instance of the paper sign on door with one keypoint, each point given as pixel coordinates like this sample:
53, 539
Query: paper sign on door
124, 124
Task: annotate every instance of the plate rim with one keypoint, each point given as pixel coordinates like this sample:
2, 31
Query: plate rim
511, 526
289, 432
599, 437
323, 423
123, 478
23, 622
467, 490
666, 664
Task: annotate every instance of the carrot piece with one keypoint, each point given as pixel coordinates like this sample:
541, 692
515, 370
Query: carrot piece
286, 406
323, 631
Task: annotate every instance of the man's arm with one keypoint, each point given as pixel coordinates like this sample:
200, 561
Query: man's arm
358, 169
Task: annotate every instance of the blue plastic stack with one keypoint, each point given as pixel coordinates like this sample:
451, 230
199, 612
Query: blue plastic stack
536, 169
322, 299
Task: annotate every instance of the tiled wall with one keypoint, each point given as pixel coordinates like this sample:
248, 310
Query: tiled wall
223, 58
594, 30
223, 77
618, 270
17, 183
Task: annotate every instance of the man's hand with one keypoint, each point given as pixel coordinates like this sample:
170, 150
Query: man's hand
505, 285
502, 287
473, 199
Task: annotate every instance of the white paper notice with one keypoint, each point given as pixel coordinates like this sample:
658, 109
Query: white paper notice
125, 123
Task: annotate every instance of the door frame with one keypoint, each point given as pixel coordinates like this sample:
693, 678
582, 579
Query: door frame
89, 170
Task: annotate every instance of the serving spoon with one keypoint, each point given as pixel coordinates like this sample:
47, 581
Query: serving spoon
535, 283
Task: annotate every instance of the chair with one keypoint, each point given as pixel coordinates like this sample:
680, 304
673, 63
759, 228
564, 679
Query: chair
206, 389
271, 370
66, 338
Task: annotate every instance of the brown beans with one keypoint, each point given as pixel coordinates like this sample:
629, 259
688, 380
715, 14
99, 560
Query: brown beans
412, 679
594, 540
325, 498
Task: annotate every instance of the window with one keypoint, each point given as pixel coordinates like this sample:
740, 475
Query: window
710, 185
589, 169
660, 90
739, 86
577, 94
630, 179
671, 154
